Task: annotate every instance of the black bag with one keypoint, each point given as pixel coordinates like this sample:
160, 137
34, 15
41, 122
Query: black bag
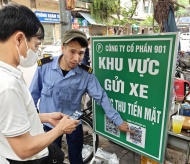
56, 156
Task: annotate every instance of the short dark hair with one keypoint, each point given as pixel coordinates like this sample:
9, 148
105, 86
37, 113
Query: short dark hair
15, 17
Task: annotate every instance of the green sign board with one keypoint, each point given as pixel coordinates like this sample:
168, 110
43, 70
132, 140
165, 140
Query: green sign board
137, 73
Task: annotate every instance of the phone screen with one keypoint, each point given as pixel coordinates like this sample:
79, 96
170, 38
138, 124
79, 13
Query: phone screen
76, 115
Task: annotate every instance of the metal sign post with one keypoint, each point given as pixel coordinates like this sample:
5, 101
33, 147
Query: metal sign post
65, 17
136, 72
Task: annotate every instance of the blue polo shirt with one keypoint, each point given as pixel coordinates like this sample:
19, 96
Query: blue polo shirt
58, 93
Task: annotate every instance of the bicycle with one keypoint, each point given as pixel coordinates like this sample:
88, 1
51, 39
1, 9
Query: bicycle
183, 67
179, 73
87, 123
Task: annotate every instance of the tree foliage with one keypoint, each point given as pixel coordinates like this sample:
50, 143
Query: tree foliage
182, 11
128, 11
161, 9
103, 10
147, 22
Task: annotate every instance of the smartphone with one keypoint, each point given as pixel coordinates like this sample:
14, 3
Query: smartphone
76, 115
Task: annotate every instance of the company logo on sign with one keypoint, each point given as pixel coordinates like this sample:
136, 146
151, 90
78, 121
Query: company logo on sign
99, 48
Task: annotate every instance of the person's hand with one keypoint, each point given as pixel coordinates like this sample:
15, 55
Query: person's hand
125, 128
67, 125
55, 117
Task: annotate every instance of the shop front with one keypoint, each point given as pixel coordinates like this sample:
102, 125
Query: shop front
50, 22
93, 27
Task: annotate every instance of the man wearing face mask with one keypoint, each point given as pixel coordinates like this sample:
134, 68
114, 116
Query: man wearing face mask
22, 138
30, 59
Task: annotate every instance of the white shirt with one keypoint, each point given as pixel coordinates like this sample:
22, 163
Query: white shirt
18, 114
3, 160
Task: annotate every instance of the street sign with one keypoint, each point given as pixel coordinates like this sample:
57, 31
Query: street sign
136, 71
47, 17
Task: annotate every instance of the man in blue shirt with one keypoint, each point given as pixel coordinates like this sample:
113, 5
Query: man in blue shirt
60, 85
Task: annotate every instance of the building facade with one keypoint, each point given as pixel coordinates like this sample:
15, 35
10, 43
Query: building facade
48, 12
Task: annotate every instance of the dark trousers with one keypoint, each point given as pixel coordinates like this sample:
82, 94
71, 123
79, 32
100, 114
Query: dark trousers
75, 144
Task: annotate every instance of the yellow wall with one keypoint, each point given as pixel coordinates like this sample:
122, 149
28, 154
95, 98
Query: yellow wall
47, 6
22, 2
41, 5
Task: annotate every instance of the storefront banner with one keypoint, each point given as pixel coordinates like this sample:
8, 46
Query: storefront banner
47, 17
137, 73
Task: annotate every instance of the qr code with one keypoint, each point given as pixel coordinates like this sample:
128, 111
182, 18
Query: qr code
111, 127
137, 136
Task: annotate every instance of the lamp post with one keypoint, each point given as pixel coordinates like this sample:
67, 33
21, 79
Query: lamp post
65, 17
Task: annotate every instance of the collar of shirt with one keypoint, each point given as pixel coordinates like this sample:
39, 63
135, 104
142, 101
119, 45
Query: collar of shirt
11, 70
55, 65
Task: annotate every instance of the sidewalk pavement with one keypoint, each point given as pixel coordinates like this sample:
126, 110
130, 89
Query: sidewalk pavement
124, 155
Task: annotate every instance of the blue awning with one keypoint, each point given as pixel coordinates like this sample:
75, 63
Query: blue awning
89, 18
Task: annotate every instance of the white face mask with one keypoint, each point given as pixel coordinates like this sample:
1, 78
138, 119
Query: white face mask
31, 57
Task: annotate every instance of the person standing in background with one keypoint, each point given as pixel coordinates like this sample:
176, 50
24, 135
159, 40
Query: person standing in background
87, 57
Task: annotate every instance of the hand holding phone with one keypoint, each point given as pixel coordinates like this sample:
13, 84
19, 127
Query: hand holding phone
76, 115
